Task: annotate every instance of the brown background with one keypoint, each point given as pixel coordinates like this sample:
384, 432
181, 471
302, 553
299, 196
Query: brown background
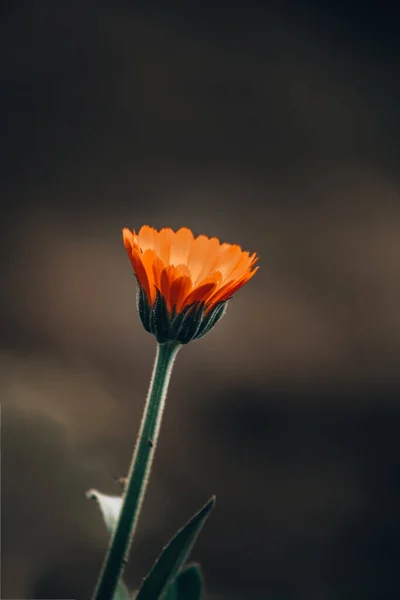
274, 126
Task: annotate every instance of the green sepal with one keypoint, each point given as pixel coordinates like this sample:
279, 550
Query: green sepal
173, 557
160, 319
143, 307
211, 318
183, 325
110, 507
191, 323
176, 320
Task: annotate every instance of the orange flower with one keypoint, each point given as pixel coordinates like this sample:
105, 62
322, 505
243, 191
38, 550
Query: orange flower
186, 272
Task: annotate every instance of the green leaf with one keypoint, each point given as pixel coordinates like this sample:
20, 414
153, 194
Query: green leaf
189, 583
171, 592
110, 507
172, 558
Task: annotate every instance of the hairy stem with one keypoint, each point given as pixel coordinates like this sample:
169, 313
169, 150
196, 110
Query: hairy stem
139, 472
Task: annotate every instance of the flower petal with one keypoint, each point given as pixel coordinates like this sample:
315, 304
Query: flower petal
165, 237
149, 257
180, 288
199, 294
228, 259
148, 238
158, 266
168, 275
181, 245
186, 269
230, 288
128, 238
202, 256
140, 272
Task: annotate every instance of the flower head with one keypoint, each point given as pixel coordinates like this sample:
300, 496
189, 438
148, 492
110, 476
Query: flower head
184, 282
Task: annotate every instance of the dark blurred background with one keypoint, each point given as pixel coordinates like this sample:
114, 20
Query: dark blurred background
272, 125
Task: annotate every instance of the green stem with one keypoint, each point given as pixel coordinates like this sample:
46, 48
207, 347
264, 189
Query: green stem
139, 472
